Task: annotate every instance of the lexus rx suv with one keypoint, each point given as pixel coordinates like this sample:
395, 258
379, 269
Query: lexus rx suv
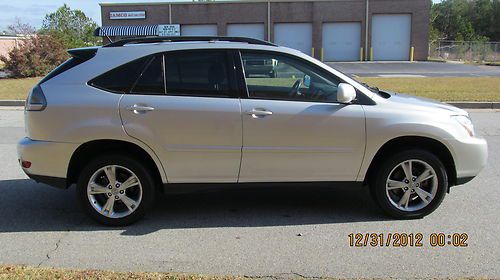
141, 115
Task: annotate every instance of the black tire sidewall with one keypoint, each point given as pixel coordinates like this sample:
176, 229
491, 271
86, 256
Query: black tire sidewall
145, 177
379, 188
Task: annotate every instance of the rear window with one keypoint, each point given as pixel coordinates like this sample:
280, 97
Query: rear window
152, 79
203, 73
122, 78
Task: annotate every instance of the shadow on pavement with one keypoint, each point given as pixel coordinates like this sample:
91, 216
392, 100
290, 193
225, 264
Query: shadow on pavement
26, 206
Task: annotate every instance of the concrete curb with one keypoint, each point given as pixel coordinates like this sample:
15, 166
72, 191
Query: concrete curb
459, 104
11, 102
476, 105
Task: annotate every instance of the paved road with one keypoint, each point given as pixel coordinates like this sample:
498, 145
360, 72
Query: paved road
254, 233
416, 69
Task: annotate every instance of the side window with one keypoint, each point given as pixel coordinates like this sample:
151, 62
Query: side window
203, 73
122, 78
278, 77
151, 80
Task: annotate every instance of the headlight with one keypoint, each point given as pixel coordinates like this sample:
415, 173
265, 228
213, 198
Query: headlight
466, 123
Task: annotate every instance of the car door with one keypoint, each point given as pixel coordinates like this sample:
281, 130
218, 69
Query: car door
294, 130
185, 107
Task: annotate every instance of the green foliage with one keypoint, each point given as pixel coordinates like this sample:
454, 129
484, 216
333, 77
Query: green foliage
36, 56
72, 27
466, 20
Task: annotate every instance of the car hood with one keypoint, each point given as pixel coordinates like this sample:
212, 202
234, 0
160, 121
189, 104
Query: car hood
424, 104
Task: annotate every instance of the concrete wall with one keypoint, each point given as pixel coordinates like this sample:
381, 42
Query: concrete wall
316, 12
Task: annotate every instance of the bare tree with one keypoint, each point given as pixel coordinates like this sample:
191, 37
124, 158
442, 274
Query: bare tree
21, 28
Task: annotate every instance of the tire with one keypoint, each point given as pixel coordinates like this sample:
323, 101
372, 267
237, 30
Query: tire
131, 200
404, 198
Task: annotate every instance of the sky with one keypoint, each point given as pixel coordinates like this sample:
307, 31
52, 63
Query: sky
33, 11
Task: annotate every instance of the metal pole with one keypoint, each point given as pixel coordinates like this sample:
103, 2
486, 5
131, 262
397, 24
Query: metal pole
269, 21
366, 27
170, 13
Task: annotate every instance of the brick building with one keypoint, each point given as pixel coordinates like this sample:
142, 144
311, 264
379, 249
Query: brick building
332, 30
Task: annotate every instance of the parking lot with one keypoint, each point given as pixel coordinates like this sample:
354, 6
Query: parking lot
268, 233
415, 69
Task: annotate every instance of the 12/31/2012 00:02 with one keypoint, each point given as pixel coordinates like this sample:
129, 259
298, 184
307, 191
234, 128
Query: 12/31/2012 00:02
458, 240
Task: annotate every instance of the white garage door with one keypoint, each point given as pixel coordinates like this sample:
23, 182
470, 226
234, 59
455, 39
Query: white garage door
199, 30
391, 37
341, 41
294, 35
256, 31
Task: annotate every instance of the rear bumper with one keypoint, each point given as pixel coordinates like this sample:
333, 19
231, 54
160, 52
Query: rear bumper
49, 160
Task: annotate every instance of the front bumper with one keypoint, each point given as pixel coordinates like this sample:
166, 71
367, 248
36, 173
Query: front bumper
49, 160
470, 156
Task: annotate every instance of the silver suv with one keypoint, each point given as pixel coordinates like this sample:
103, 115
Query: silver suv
125, 120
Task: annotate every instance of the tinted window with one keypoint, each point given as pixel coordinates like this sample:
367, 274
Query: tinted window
151, 81
273, 76
121, 78
203, 73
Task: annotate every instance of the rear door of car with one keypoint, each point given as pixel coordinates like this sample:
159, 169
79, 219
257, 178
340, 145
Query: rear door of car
185, 106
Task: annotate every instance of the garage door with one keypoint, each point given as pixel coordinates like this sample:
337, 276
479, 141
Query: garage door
391, 37
199, 30
256, 31
342, 41
294, 35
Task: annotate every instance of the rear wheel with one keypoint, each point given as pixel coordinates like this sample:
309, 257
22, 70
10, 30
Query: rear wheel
115, 190
410, 184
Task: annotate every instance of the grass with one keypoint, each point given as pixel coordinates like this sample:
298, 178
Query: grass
440, 88
443, 88
16, 89
16, 272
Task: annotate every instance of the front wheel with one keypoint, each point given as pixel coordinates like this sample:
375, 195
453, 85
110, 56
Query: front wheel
410, 184
115, 190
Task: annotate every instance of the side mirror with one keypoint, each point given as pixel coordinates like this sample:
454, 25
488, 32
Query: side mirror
345, 93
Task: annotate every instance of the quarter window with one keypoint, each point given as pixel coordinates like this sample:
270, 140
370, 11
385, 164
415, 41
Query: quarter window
279, 77
203, 73
122, 78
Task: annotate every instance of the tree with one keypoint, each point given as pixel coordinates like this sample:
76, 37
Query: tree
469, 20
20, 28
36, 56
72, 27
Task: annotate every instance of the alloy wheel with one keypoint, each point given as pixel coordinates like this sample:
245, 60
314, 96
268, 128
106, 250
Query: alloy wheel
114, 191
411, 185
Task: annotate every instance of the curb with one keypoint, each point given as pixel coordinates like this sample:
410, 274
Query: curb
476, 105
459, 104
12, 102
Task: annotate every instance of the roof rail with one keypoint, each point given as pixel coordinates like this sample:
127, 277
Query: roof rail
145, 40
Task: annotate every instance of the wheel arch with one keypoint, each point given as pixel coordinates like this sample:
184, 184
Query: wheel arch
406, 142
89, 150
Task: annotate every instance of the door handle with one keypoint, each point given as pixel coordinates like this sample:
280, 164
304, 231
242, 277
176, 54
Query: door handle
259, 113
140, 109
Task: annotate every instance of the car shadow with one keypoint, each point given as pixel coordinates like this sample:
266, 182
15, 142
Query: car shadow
26, 206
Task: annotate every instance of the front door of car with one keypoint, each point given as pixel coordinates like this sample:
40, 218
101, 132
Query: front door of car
293, 128
184, 106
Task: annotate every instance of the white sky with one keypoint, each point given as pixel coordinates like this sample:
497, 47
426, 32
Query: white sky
33, 11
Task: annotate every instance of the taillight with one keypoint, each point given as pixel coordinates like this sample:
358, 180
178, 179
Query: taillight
36, 100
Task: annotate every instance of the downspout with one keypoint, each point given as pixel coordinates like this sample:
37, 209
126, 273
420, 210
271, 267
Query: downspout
366, 28
269, 21
169, 13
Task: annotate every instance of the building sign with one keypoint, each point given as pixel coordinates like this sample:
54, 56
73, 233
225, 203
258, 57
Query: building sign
169, 30
128, 15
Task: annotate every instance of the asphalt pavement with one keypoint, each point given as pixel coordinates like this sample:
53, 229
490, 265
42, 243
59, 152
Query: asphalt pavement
415, 69
267, 233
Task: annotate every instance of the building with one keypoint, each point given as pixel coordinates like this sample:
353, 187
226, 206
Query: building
8, 42
331, 30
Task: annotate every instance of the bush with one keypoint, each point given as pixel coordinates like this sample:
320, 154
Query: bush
36, 56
